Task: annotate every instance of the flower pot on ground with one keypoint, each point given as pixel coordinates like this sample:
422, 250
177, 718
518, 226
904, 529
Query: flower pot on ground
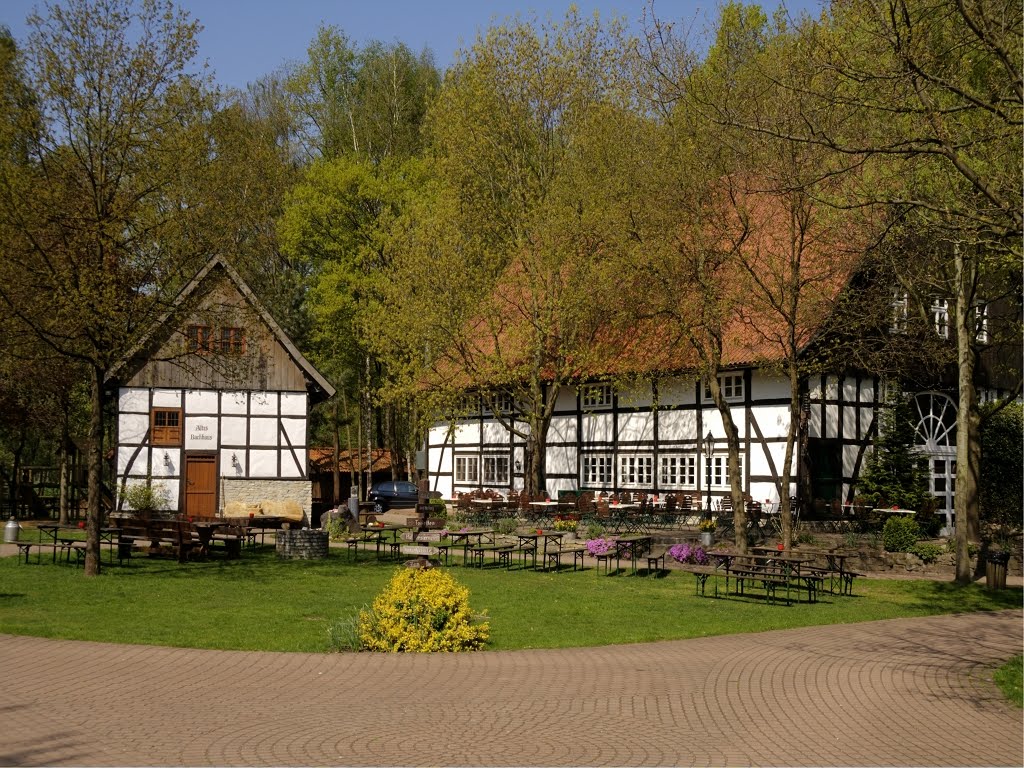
707, 538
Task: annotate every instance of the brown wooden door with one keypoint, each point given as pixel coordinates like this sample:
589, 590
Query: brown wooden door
200, 486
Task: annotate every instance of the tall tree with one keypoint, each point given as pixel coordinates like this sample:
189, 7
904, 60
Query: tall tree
92, 222
506, 244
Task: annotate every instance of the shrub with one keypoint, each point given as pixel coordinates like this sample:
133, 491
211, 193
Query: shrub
506, 525
595, 531
337, 528
687, 553
893, 475
927, 551
421, 610
343, 635
146, 497
899, 534
601, 546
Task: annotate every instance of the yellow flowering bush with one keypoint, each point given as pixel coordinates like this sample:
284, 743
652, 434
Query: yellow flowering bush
421, 610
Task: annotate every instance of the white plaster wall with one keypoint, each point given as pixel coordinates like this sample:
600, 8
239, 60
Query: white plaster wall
636, 427
560, 460
676, 392
814, 422
713, 422
201, 401
867, 391
831, 421
831, 388
772, 419
262, 463
234, 402
866, 416
290, 466
232, 430
169, 468
131, 427
849, 459
295, 429
562, 429
201, 433
566, 400
125, 466
466, 434
228, 467
263, 432
597, 427
293, 404
263, 404
132, 399
167, 398
764, 386
677, 425
637, 396
494, 433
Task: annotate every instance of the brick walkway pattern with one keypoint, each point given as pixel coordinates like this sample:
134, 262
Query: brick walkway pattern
901, 692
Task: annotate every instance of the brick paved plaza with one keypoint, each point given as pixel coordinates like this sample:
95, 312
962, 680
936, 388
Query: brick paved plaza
900, 692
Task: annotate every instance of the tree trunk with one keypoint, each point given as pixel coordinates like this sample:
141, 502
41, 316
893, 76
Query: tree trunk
336, 456
62, 477
968, 443
95, 507
353, 476
739, 510
785, 506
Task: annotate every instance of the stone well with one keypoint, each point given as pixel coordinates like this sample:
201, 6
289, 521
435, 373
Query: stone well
302, 544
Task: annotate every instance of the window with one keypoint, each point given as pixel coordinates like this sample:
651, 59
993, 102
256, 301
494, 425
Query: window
940, 317
467, 469
232, 341
597, 469
502, 402
165, 426
496, 470
596, 396
898, 310
732, 387
981, 323
678, 471
636, 471
200, 338
716, 468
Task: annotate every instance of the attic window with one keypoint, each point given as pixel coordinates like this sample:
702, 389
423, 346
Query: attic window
200, 338
232, 341
165, 426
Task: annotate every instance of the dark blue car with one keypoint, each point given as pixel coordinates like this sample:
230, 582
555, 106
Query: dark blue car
393, 493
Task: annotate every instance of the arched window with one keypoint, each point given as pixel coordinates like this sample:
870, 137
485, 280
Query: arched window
935, 436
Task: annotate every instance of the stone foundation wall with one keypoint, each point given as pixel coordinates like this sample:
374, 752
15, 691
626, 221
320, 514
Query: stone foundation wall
290, 499
302, 544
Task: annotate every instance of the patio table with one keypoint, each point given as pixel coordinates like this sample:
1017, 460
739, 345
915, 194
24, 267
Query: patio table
530, 542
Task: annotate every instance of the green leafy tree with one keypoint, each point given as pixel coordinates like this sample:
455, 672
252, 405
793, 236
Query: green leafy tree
503, 261
93, 221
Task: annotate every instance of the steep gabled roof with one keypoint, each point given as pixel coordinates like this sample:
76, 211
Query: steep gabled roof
162, 326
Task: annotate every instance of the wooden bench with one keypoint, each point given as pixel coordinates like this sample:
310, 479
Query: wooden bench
702, 573
26, 547
656, 563
475, 553
578, 552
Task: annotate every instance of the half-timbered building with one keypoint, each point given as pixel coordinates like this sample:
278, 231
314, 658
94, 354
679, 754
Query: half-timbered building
213, 405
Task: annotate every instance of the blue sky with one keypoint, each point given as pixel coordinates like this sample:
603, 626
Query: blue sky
245, 39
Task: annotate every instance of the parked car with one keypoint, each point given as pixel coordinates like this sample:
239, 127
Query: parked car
393, 493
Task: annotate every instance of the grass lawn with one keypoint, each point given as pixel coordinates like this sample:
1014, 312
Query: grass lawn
261, 603
1010, 679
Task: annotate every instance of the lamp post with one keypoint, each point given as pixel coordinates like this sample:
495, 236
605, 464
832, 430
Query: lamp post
708, 446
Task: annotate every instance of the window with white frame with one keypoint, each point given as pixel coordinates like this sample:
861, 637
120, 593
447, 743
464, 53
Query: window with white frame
940, 317
636, 470
677, 470
596, 396
732, 387
716, 469
467, 469
898, 312
981, 323
596, 469
496, 470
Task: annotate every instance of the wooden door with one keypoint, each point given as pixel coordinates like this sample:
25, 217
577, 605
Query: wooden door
200, 485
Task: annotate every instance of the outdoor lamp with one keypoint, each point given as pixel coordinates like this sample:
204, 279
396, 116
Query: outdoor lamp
708, 446
519, 466
167, 459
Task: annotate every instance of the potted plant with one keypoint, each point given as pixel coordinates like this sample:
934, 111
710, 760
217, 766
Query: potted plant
707, 531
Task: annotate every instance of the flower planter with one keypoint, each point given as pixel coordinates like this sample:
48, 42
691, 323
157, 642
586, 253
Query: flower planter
707, 538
